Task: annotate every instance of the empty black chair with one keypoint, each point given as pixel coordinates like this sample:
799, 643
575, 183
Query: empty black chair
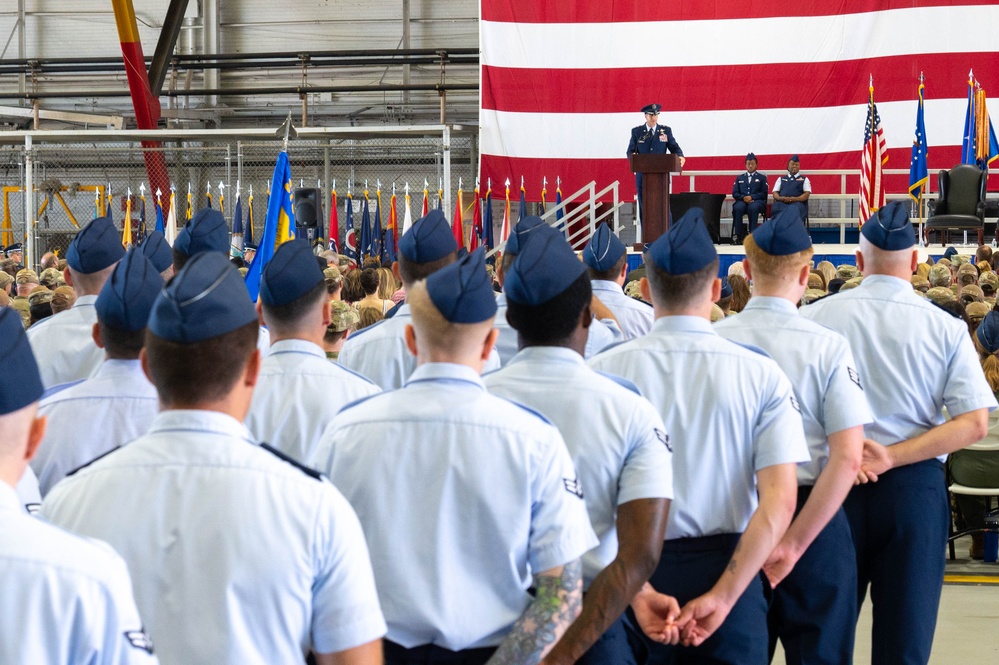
961, 206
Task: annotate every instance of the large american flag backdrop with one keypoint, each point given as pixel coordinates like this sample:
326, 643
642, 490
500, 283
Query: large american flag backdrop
563, 83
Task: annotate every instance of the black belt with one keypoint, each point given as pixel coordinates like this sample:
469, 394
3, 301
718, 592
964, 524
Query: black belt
431, 654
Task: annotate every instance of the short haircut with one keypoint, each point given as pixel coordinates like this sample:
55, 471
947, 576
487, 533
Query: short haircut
983, 253
333, 285
412, 272
289, 318
121, 344
371, 262
369, 281
179, 259
775, 266
552, 322
334, 336
608, 275
42, 310
434, 331
678, 291
199, 372
90, 283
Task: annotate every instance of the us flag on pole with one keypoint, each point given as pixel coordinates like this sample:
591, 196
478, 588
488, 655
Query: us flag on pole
872, 191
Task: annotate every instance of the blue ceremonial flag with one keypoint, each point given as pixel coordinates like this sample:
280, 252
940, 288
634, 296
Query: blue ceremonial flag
159, 217
968, 142
279, 225
487, 221
559, 211
523, 204
918, 175
248, 231
364, 250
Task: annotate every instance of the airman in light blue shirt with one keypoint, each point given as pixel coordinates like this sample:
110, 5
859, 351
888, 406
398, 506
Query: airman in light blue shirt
606, 262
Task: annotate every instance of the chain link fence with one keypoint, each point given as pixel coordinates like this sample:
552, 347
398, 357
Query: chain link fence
72, 181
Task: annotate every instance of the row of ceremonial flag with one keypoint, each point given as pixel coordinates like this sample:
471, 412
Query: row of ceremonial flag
979, 146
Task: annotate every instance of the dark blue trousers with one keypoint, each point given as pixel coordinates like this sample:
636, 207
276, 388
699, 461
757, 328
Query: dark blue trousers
741, 209
620, 645
688, 568
899, 529
429, 654
813, 611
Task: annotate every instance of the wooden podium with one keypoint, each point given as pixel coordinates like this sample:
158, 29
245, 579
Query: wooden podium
655, 170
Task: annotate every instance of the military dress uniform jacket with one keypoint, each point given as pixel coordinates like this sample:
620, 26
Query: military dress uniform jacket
751, 184
657, 140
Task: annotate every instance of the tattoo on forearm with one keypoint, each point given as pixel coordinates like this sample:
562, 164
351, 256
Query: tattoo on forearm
557, 603
733, 564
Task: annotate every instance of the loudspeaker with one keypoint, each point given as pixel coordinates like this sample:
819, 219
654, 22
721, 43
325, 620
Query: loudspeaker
308, 207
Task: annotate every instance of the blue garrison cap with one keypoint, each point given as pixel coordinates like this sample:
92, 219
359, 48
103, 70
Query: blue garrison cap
652, 108
604, 249
128, 296
429, 239
206, 299
20, 383
291, 273
95, 247
206, 232
988, 332
889, 228
751, 156
794, 158
157, 250
546, 267
949, 252
463, 291
726, 288
784, 233
686, 247
521, 232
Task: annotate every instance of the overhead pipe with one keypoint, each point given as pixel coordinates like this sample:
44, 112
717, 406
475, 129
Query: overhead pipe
164, 46
289, 90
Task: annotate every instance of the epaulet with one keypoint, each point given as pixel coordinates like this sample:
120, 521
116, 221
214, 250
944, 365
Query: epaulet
84, 466
310, 472
359, 400
624, 383
531, 411
751, 347
356, 374
59, 387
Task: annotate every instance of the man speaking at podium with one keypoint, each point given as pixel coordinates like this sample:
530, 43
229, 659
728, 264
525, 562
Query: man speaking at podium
652, 137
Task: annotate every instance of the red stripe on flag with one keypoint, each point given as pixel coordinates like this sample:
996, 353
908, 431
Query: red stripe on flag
728, 87
552, 11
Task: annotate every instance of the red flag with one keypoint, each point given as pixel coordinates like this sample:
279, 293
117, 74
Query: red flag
457, 227
334, 234
475, 233
426, 201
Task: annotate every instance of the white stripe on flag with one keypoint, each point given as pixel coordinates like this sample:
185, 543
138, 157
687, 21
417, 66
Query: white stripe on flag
724, 42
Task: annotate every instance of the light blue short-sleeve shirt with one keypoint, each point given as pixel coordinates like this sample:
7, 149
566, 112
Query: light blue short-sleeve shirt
379, 352
463, 497
297, 394
236, 554
617, 440
819, 364
87, 419
65, 599
913, 358
729, 412
64, 345
634, 316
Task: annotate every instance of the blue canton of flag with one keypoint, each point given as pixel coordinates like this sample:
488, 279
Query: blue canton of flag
918, 176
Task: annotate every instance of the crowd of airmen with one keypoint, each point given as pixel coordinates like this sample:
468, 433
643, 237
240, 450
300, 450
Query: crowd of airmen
554, 473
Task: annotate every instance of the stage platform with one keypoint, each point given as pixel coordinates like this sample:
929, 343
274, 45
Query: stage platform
835, 254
